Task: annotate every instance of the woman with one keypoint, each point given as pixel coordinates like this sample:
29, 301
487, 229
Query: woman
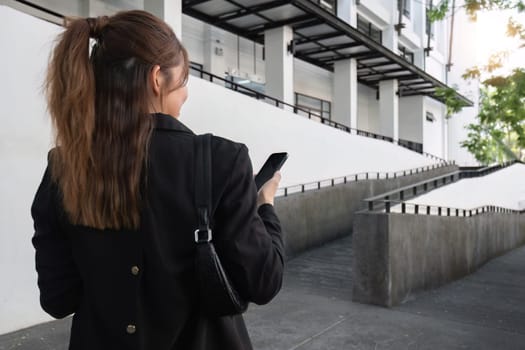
114, 215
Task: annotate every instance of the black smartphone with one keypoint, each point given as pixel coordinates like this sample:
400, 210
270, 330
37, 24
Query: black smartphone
274, 163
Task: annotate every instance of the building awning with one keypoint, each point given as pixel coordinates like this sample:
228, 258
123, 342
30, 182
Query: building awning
320, 38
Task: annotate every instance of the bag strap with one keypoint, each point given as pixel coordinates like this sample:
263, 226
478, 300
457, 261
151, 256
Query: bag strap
203, 233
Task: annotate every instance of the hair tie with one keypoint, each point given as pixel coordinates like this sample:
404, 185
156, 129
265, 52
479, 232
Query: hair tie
96, 26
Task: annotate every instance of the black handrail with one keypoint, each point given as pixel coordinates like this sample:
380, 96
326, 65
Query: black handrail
41, 8
385, 200
413, 146
316, 185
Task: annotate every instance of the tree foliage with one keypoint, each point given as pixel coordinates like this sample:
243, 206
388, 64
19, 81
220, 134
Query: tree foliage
499, 133
450, 97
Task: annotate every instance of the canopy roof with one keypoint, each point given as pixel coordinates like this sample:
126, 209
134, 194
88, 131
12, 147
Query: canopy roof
320, 38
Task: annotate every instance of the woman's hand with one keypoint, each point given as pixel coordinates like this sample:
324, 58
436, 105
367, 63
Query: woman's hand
267, 192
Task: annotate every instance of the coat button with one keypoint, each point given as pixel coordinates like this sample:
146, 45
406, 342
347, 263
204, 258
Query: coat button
131, 328
135, 270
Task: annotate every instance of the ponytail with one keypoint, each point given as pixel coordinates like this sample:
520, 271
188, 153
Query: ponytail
70, 90
100, 107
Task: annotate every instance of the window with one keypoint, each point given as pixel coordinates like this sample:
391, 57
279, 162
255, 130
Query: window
369, 29
245, 86
430, 117
314, 105
406, 7
407, 55
329, 5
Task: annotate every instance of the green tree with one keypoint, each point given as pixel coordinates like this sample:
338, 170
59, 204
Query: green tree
499, 133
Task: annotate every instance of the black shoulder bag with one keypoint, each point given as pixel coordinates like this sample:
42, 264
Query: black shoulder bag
217, 296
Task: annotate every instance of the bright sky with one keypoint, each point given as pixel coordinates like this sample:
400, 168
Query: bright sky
491, 38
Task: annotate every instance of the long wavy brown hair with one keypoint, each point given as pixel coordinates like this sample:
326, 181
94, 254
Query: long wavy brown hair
99, 99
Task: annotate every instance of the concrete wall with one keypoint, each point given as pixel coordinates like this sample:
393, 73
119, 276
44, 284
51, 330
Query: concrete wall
315, 217
396, 255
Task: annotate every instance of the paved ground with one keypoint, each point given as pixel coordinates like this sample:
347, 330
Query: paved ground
314, 311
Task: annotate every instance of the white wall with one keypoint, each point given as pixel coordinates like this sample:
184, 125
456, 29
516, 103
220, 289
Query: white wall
411, 118
312, 80
193, 35
25, 139
316, 151
433, 132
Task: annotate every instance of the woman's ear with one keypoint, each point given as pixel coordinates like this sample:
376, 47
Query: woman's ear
156, 80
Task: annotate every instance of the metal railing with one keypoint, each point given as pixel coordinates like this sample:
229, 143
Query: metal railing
316, 185
413, 146
385, 201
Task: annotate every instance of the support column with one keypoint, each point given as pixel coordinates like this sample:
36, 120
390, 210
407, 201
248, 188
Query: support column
344, 102
169, 10
279, 64
344, 109
389, 108
214, 59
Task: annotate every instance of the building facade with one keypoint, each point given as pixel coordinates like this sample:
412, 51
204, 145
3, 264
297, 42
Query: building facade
330, 57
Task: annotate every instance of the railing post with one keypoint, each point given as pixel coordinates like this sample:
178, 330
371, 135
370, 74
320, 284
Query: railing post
286, 191
457, 212
387, 207
416, 209
439, 211
403, 207
345, 179
428, 209
302, 188
448, 211
318, 185
371, 205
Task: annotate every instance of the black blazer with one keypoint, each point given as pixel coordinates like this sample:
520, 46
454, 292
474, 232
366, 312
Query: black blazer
134, 289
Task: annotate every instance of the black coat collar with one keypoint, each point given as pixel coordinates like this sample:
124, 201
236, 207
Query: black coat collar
167, 122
